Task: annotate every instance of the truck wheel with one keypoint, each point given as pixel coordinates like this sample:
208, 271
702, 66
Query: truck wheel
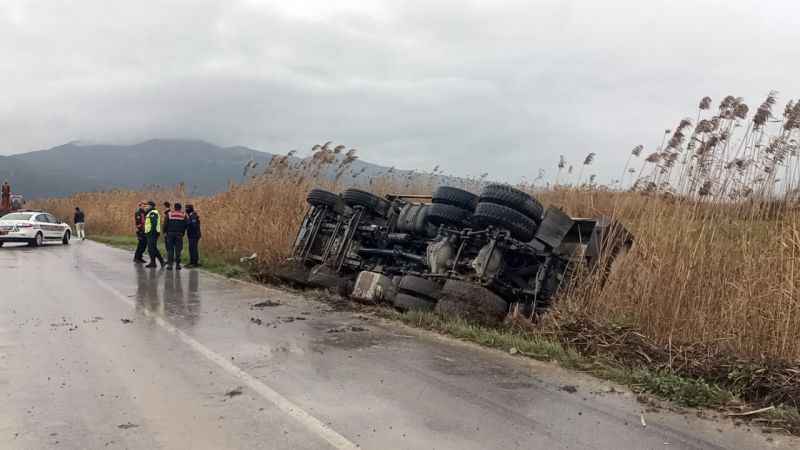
447, 195
442, 214
419, 286
471, 302
65, 239
368, 200
406, 302
321, 197
502, 194
413, 219
520, 226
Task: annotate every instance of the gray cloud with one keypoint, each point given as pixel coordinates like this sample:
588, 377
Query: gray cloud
498, 87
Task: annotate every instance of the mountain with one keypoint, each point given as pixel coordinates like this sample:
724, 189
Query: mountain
204, 168
39, 182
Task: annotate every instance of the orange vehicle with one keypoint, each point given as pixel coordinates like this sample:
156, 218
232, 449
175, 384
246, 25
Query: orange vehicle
14, 202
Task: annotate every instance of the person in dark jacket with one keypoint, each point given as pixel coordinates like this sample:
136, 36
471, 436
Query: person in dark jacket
194, 235
152, 225
175, 227
79, 220
163, 230
141, 237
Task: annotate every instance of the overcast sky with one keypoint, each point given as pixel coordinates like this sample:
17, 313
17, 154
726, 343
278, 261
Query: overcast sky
503, 87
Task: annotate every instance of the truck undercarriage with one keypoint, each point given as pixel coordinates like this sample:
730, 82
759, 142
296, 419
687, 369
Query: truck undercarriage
453, 251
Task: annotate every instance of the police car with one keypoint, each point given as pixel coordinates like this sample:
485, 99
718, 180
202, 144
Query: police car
34, 228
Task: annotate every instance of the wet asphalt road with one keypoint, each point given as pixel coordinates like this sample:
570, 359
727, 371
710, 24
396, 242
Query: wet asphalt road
198, 367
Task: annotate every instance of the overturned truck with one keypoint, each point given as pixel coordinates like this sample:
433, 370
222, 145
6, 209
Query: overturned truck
475, 256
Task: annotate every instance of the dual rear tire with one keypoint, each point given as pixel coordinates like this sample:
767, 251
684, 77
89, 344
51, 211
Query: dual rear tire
509, 208
451, 206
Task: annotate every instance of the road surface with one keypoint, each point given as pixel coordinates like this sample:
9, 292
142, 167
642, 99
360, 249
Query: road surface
96, 352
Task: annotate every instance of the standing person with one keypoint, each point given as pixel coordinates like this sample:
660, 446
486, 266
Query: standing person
80, 227
141, 237
5, 203
163, 230
194, 234
152, 225
175, 227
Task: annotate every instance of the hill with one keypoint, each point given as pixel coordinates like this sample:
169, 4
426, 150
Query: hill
203, 167
35, 182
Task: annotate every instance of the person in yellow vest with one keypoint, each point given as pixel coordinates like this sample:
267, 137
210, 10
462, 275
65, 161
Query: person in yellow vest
152, 226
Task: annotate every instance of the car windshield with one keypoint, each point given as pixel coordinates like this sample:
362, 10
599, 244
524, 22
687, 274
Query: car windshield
17, 216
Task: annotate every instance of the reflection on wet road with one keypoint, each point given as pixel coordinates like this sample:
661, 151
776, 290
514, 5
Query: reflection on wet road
178, 300
96, 352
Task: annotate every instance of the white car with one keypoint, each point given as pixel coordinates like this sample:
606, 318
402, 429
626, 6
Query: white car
34, 228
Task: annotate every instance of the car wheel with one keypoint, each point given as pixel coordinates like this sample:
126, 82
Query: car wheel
502, 194
1, 244
456, 197
38, 241
65, 239
406, 302
519, 225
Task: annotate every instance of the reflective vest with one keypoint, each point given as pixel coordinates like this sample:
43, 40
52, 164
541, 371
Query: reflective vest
148, 222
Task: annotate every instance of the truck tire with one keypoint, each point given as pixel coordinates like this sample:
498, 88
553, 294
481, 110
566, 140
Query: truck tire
447, 195
369, 201
505, 195
406, 302
419, 286
321, 198
520, 226
471, 302
442, 214
413, 219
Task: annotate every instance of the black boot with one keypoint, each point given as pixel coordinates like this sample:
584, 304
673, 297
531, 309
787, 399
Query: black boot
152, 265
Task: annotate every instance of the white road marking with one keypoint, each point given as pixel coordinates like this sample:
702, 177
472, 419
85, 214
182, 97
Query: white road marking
310, 422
